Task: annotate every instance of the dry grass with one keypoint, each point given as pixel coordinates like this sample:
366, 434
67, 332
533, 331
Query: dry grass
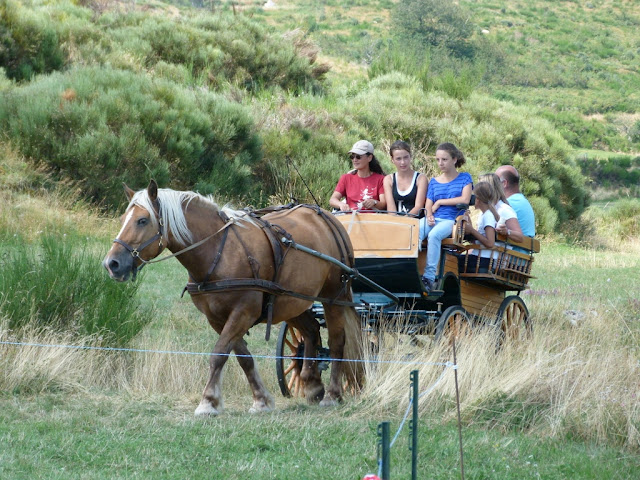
574, 377
27, 208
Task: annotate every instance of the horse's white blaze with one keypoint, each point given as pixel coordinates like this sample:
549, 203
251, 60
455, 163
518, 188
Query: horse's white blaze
124, 224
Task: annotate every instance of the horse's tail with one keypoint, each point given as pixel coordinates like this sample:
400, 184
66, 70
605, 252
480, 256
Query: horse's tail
353, 350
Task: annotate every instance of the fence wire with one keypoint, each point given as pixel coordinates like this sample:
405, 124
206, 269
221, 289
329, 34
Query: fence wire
208, 354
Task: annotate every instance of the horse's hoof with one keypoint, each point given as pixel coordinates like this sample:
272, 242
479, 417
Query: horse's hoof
206, 410
315, 395
260, 407
329, 402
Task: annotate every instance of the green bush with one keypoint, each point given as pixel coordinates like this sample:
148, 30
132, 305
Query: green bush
621, 220
317, 133
100, 127
435, 23
612, 171
29, 43
394, 56
59, 284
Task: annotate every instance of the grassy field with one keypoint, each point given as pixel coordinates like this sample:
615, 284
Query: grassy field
563, 406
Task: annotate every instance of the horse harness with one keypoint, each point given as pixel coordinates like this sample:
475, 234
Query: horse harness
135, 251
280, 241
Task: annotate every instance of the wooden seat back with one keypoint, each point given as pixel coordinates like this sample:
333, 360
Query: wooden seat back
509, 269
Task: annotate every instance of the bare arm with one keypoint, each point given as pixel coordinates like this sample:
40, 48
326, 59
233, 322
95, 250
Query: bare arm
388, 192
488, 239
511, 229
429, 212
421, 195
335, 202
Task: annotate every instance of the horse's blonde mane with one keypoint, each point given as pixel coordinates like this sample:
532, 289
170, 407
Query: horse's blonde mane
173, 213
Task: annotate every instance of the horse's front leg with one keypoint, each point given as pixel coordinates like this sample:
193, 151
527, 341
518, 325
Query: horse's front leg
262, 399
211, 403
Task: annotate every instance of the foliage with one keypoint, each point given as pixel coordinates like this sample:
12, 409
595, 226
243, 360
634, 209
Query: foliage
100, 127
58, 285
611, 171
619, 221
435, 23
40, 37
29, 42
394, 106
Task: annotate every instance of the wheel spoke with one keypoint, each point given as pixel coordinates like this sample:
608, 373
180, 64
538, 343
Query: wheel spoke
513, 319
291, 367
290, 344
293, 380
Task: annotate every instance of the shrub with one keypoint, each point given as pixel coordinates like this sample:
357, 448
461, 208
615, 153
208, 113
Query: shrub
60, 285
100, 127
29, 43
435, 23
317, 132
396, 57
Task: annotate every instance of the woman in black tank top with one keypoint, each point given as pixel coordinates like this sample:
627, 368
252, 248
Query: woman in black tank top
407, 187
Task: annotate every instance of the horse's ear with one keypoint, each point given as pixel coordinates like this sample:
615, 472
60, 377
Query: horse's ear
152, 190
128, 192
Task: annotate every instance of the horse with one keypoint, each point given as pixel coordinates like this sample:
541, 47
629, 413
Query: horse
243, 269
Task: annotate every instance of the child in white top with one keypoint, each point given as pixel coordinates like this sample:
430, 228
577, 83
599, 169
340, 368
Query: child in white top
484, 235
508, 223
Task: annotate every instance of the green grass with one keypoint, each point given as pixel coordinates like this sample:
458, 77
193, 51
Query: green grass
104, 436
55, 284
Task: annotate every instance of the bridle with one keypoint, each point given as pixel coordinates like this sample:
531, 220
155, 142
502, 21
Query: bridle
135, 251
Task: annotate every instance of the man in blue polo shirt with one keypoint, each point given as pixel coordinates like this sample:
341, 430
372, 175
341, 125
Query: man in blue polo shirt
511, 184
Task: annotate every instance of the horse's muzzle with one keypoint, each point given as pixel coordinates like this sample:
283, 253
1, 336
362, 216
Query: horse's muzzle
119, 265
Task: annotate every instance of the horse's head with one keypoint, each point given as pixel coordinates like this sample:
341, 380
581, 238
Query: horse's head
140, 238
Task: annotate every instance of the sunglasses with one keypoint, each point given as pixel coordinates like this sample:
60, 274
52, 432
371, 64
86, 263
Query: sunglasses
357, 157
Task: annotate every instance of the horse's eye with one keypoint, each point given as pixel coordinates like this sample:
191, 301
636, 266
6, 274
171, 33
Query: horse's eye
142, 221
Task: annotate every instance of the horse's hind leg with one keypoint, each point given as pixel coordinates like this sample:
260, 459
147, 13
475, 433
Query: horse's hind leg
262, 399
310, 375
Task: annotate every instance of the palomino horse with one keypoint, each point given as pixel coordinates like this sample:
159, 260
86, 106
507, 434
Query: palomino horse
242, 271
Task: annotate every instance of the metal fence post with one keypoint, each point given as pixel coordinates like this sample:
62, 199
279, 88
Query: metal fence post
413, 425
384, 449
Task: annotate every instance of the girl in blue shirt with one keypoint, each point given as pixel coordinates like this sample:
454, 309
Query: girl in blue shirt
444, 192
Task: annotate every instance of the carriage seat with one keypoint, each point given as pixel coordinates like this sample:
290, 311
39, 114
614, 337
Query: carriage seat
510, 269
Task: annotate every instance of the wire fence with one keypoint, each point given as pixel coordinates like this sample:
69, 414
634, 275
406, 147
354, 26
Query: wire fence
208, 354
397, 361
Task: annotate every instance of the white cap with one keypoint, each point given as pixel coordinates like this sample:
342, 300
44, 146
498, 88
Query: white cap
361, 147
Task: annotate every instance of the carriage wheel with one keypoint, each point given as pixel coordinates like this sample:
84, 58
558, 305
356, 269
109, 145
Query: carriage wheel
290, 344
513, 320
454, 323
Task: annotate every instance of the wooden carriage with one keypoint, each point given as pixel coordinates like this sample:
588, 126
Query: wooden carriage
388, 254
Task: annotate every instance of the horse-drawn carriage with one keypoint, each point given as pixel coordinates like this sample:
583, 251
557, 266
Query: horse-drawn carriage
388, 255
301, 265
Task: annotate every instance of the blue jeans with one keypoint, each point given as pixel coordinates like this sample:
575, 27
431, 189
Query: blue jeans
435, 234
